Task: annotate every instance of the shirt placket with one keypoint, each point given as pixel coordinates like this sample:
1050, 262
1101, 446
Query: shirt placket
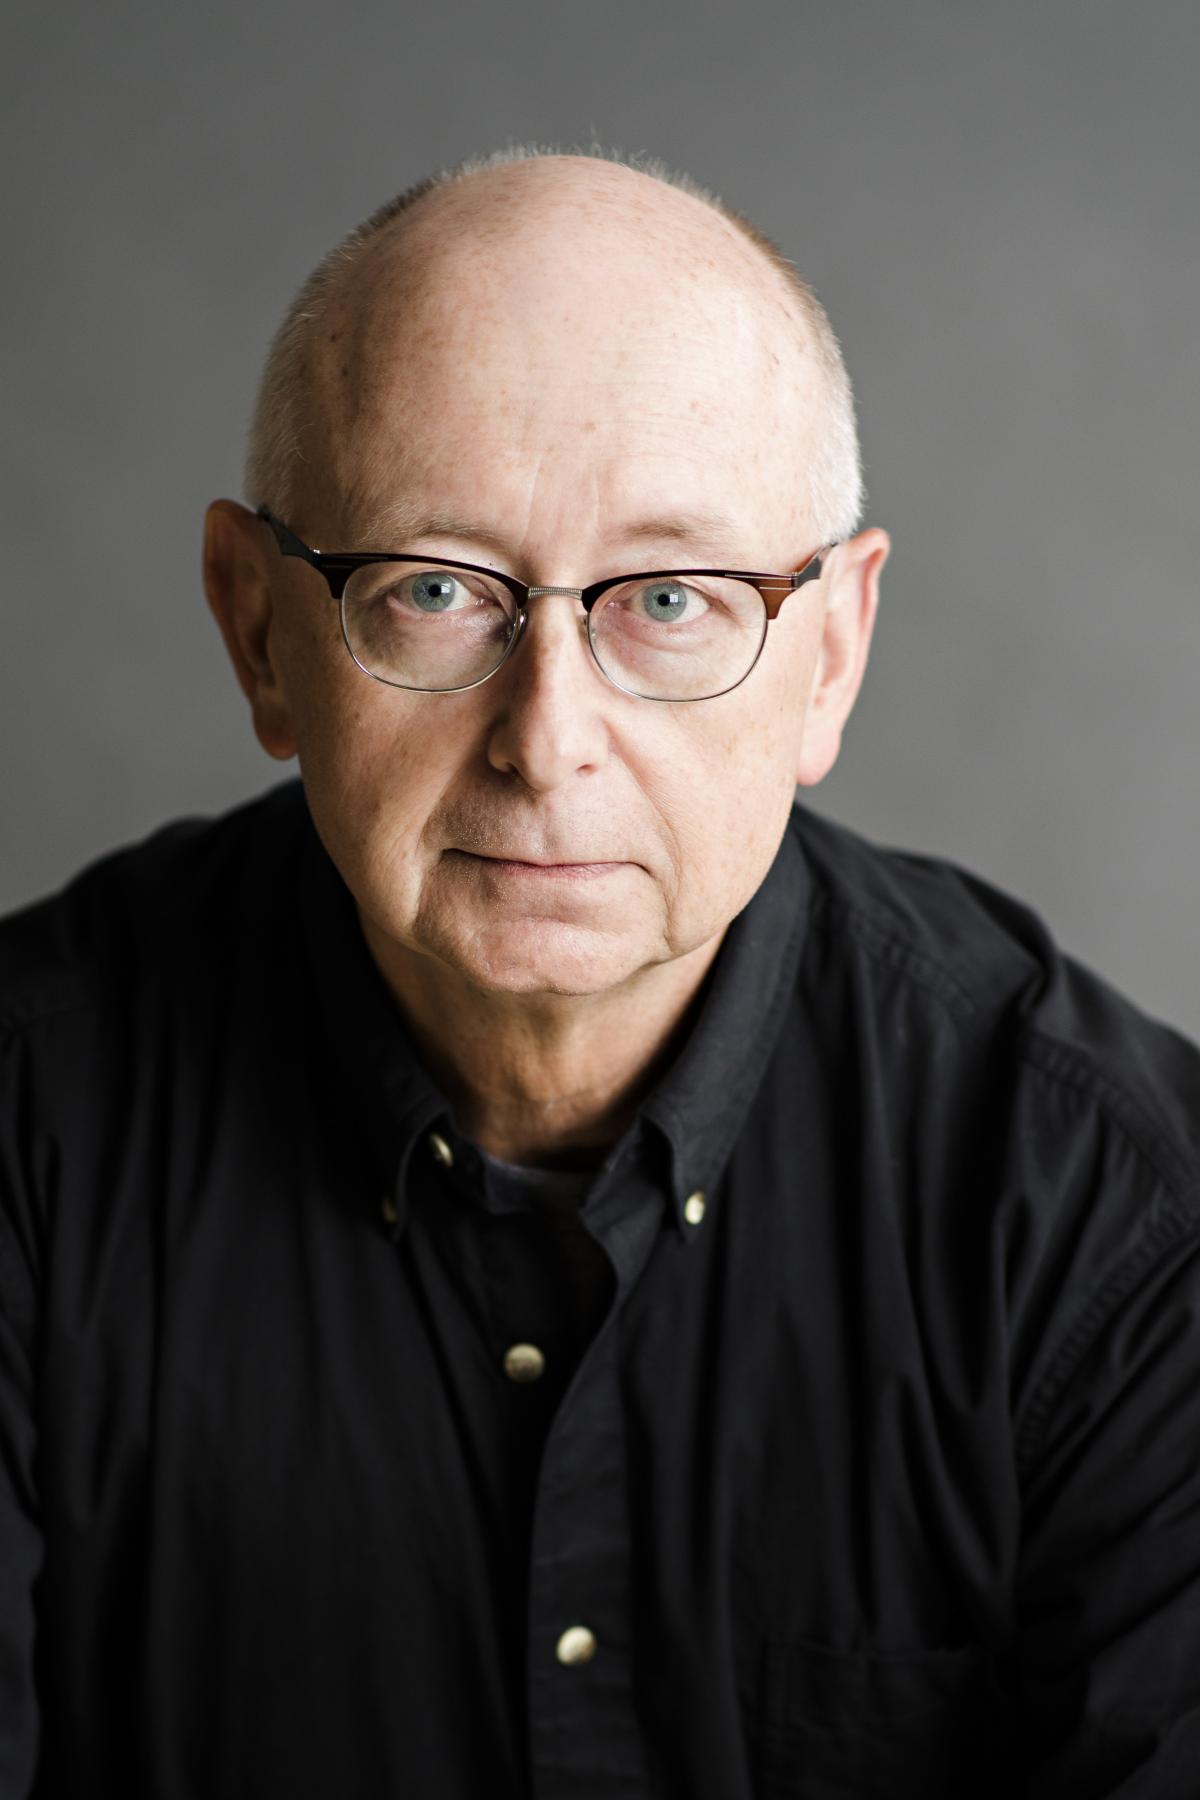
583, 1732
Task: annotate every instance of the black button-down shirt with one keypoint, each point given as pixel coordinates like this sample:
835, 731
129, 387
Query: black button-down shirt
839, 1435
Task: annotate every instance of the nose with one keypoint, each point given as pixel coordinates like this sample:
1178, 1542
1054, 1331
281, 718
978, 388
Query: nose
550, 697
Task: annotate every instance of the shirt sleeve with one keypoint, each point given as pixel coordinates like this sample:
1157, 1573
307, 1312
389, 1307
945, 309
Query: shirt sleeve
1109, 1583
20, 1531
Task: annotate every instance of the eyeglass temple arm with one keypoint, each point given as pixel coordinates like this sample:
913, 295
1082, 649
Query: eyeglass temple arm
289, 543
775, 590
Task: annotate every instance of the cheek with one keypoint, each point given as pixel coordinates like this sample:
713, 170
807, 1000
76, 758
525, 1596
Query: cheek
726, 786
375, 763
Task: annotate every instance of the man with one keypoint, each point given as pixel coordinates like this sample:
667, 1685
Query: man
531, 1265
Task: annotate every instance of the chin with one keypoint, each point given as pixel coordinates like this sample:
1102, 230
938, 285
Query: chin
557, 959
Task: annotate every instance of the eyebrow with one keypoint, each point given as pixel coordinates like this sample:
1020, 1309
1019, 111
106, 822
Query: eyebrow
399, 524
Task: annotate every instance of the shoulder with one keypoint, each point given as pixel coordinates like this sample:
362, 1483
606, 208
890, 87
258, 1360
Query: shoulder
1029, 1135
143, 910
936, 949
122, 996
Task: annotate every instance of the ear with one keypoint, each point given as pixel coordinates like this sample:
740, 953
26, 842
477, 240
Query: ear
238, 582
852, 573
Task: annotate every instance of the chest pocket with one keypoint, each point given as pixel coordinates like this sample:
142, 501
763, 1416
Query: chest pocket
844, 1726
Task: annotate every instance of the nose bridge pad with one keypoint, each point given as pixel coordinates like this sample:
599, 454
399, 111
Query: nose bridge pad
567, 593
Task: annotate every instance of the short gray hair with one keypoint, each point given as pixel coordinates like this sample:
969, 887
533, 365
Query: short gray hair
275, 451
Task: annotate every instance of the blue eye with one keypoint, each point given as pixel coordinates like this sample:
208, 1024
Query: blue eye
666, 601
433, 591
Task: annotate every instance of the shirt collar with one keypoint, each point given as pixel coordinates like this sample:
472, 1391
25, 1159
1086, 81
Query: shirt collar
695, 1110
700, 1104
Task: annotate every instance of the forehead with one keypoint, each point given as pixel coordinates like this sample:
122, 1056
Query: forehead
576, 353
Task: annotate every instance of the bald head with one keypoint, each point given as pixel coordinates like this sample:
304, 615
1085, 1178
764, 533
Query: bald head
494, 268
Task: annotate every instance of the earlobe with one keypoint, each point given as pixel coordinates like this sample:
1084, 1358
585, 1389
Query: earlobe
848, 622
237, 584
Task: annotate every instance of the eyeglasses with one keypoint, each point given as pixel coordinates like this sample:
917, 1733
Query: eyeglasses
440, 627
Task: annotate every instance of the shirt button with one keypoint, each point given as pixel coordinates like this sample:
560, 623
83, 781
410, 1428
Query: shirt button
693, 1207
524, 1362
441, 1150
576, 1645
389, 1209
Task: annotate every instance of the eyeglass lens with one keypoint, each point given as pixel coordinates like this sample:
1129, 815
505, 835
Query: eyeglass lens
663, 637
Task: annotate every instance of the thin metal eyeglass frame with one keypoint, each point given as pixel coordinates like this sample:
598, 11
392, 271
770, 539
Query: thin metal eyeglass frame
336, 567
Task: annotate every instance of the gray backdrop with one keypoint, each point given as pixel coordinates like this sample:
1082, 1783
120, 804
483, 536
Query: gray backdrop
998, 204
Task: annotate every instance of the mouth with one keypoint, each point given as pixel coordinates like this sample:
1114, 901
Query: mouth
536, 869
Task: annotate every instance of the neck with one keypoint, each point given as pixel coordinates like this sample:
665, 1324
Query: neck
544, 1079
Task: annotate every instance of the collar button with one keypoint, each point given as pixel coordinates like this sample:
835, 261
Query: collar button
441, 1150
